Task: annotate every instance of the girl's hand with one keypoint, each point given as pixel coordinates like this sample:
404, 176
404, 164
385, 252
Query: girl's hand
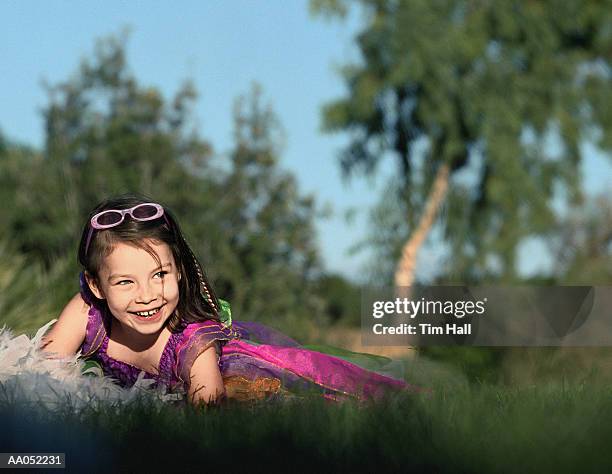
206, 382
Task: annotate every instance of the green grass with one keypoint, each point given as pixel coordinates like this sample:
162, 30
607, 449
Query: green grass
557, 427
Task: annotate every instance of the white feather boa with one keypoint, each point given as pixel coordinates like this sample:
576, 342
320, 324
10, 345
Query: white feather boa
28, 377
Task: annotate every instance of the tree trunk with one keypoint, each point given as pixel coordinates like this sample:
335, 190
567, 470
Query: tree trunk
404, 273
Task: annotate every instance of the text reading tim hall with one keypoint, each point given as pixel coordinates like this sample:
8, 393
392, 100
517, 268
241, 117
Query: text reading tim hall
423, 308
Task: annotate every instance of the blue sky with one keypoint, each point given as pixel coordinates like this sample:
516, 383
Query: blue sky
223, 46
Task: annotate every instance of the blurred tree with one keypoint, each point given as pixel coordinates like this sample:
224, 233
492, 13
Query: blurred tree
108, 134
15, 161
266, 234
342, 299
105, 134
467, 95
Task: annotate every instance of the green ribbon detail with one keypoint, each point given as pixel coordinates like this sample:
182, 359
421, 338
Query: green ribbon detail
363, 359
225, 313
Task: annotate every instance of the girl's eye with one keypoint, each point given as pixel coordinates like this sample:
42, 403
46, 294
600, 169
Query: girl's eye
162, 273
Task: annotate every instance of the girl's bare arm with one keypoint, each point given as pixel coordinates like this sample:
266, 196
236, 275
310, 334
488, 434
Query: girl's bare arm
68, 333
206, 382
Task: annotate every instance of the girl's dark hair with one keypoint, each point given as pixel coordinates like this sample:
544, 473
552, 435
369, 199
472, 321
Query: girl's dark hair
197, 300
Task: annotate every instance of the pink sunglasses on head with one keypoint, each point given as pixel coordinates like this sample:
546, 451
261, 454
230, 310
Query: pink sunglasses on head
112, 217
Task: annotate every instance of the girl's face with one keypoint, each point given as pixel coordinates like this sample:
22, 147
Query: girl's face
132, 282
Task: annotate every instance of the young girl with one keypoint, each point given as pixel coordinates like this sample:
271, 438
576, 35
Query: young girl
146, 305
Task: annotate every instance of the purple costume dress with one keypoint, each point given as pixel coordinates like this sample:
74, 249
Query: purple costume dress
255, 361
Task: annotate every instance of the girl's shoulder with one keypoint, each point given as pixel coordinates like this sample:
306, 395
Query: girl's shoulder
211, 328
195, 338
200, 334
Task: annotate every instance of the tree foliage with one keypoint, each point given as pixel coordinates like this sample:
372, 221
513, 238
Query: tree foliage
106, 133
263, 226
483, 86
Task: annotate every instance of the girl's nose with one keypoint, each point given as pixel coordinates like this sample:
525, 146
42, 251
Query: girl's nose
146, 295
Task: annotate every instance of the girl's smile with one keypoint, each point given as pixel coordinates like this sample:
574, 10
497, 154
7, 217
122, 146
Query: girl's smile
153, 315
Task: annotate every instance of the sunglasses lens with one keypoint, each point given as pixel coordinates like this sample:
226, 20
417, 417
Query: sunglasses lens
109, 218
145, 211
